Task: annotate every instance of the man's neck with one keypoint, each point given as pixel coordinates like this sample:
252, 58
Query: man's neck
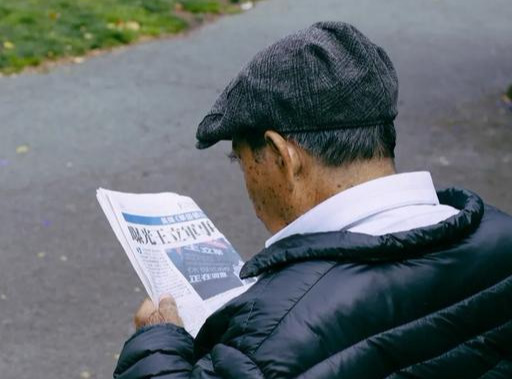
338, 179
328, 181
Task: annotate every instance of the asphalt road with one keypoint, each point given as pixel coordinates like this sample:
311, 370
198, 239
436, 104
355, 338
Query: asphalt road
126, 120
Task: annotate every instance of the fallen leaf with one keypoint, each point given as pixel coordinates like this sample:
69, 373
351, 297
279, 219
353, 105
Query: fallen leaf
54, 15
85, 374
444, 161
22, 149
41, 254
132, 25
247, 5
78, 60
8, 45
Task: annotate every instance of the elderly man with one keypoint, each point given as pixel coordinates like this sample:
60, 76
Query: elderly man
369, 273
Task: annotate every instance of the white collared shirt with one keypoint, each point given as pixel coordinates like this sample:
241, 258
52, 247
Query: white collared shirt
389, 204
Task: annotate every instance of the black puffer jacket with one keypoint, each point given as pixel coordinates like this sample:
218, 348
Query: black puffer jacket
433, 302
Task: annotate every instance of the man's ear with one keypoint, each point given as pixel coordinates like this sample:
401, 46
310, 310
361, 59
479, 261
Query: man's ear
286, 154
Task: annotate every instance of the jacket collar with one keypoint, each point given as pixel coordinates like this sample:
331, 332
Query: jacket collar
355, 247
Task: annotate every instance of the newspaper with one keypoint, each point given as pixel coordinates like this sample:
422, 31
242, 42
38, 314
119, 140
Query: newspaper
176, 249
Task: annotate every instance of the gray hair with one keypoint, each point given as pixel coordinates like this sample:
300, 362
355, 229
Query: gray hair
338, 147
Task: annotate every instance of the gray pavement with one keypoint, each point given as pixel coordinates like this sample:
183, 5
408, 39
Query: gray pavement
126, 120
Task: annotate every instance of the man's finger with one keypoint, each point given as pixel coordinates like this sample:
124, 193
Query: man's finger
167, 303
169, 310
144, 312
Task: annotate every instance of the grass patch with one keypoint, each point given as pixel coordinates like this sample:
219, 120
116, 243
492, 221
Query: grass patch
33, 31
509, 92
201, 6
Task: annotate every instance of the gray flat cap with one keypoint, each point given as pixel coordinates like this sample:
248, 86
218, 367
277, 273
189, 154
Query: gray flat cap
328, 76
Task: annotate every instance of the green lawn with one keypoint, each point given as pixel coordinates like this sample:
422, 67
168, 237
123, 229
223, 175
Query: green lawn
33, 31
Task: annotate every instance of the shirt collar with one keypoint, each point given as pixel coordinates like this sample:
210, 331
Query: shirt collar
362, 201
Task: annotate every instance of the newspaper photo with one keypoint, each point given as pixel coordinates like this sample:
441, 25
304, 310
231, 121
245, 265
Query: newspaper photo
175, 249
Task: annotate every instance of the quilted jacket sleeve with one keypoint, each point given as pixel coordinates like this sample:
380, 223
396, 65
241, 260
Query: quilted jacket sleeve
166, 351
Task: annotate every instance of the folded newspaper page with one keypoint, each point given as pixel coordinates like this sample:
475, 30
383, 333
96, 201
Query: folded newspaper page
175, 249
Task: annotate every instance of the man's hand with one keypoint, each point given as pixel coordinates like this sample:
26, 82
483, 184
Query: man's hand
167, 312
